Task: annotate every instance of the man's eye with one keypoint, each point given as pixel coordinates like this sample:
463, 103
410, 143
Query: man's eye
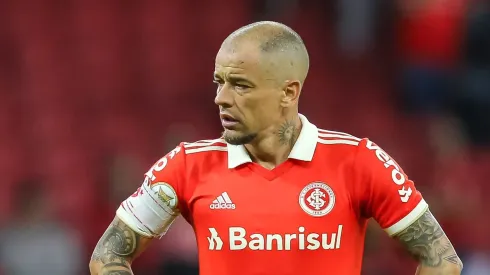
241, 86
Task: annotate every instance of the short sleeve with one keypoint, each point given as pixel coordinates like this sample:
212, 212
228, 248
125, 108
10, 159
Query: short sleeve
154, 206
386, 192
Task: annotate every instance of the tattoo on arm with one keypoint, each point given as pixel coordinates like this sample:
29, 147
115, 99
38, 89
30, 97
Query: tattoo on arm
116, 249
428, 243
115, 269
288, 133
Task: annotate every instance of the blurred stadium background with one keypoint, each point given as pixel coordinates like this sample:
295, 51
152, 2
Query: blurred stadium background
93, 92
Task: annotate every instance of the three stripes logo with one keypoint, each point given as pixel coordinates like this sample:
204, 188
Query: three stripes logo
223, 201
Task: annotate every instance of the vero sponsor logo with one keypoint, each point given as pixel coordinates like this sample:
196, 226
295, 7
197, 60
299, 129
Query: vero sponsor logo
396, 175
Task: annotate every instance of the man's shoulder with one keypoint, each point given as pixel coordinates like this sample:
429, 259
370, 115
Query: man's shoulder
188, 154
332, 140
204, 147
204, 153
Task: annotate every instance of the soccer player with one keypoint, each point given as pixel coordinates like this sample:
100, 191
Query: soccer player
275, 194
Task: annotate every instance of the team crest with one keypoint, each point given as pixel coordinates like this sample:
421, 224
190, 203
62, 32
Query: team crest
317, 199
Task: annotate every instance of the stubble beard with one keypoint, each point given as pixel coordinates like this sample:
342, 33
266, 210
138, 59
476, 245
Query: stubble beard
238, 139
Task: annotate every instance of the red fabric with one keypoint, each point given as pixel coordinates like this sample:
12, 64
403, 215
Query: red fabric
388, 195
432, 32
362, 180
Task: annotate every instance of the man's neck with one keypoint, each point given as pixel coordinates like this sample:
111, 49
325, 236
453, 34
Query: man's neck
275, 146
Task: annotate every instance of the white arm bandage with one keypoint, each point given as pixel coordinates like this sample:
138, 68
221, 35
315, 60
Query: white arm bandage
151, 210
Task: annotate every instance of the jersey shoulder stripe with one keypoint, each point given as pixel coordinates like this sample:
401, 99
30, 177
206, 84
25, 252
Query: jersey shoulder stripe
206, 145
328, 132
334, 137
204, 142
206, 149
337, 141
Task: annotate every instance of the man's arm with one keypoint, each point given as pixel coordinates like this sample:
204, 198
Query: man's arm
145, 215
387, 194
428, 243
117, 249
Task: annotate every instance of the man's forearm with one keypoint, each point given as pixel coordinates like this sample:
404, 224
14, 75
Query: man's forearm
428, 243
450, 264
115, 250
98, 268
446, 269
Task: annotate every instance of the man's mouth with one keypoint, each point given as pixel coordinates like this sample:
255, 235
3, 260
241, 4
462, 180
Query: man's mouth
228, 121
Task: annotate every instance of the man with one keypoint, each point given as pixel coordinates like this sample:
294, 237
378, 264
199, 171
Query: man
274, 195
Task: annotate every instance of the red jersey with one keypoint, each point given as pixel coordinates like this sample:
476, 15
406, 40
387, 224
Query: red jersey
307, 214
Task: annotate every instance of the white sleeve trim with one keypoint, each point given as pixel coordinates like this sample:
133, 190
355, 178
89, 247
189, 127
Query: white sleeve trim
408, 219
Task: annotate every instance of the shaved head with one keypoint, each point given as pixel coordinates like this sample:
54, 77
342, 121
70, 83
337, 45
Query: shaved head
280, 46
259, 71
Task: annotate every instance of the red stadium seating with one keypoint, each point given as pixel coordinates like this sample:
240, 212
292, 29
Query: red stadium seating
91, 79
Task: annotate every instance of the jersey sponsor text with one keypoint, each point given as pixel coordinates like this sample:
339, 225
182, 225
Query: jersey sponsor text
397, 176
240, 240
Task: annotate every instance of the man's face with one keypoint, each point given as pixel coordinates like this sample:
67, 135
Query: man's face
248, 93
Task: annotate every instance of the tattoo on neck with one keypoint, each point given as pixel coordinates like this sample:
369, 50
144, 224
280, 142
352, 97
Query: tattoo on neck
288, 133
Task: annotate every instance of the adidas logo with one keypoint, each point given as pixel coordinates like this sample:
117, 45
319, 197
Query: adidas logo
223, 201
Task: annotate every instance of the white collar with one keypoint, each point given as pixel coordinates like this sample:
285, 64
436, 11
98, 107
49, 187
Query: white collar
303, 149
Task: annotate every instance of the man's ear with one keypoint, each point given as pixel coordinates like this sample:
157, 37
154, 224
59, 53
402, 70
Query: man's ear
291, 90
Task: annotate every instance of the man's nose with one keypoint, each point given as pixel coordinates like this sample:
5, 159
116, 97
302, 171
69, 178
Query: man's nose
224, 96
